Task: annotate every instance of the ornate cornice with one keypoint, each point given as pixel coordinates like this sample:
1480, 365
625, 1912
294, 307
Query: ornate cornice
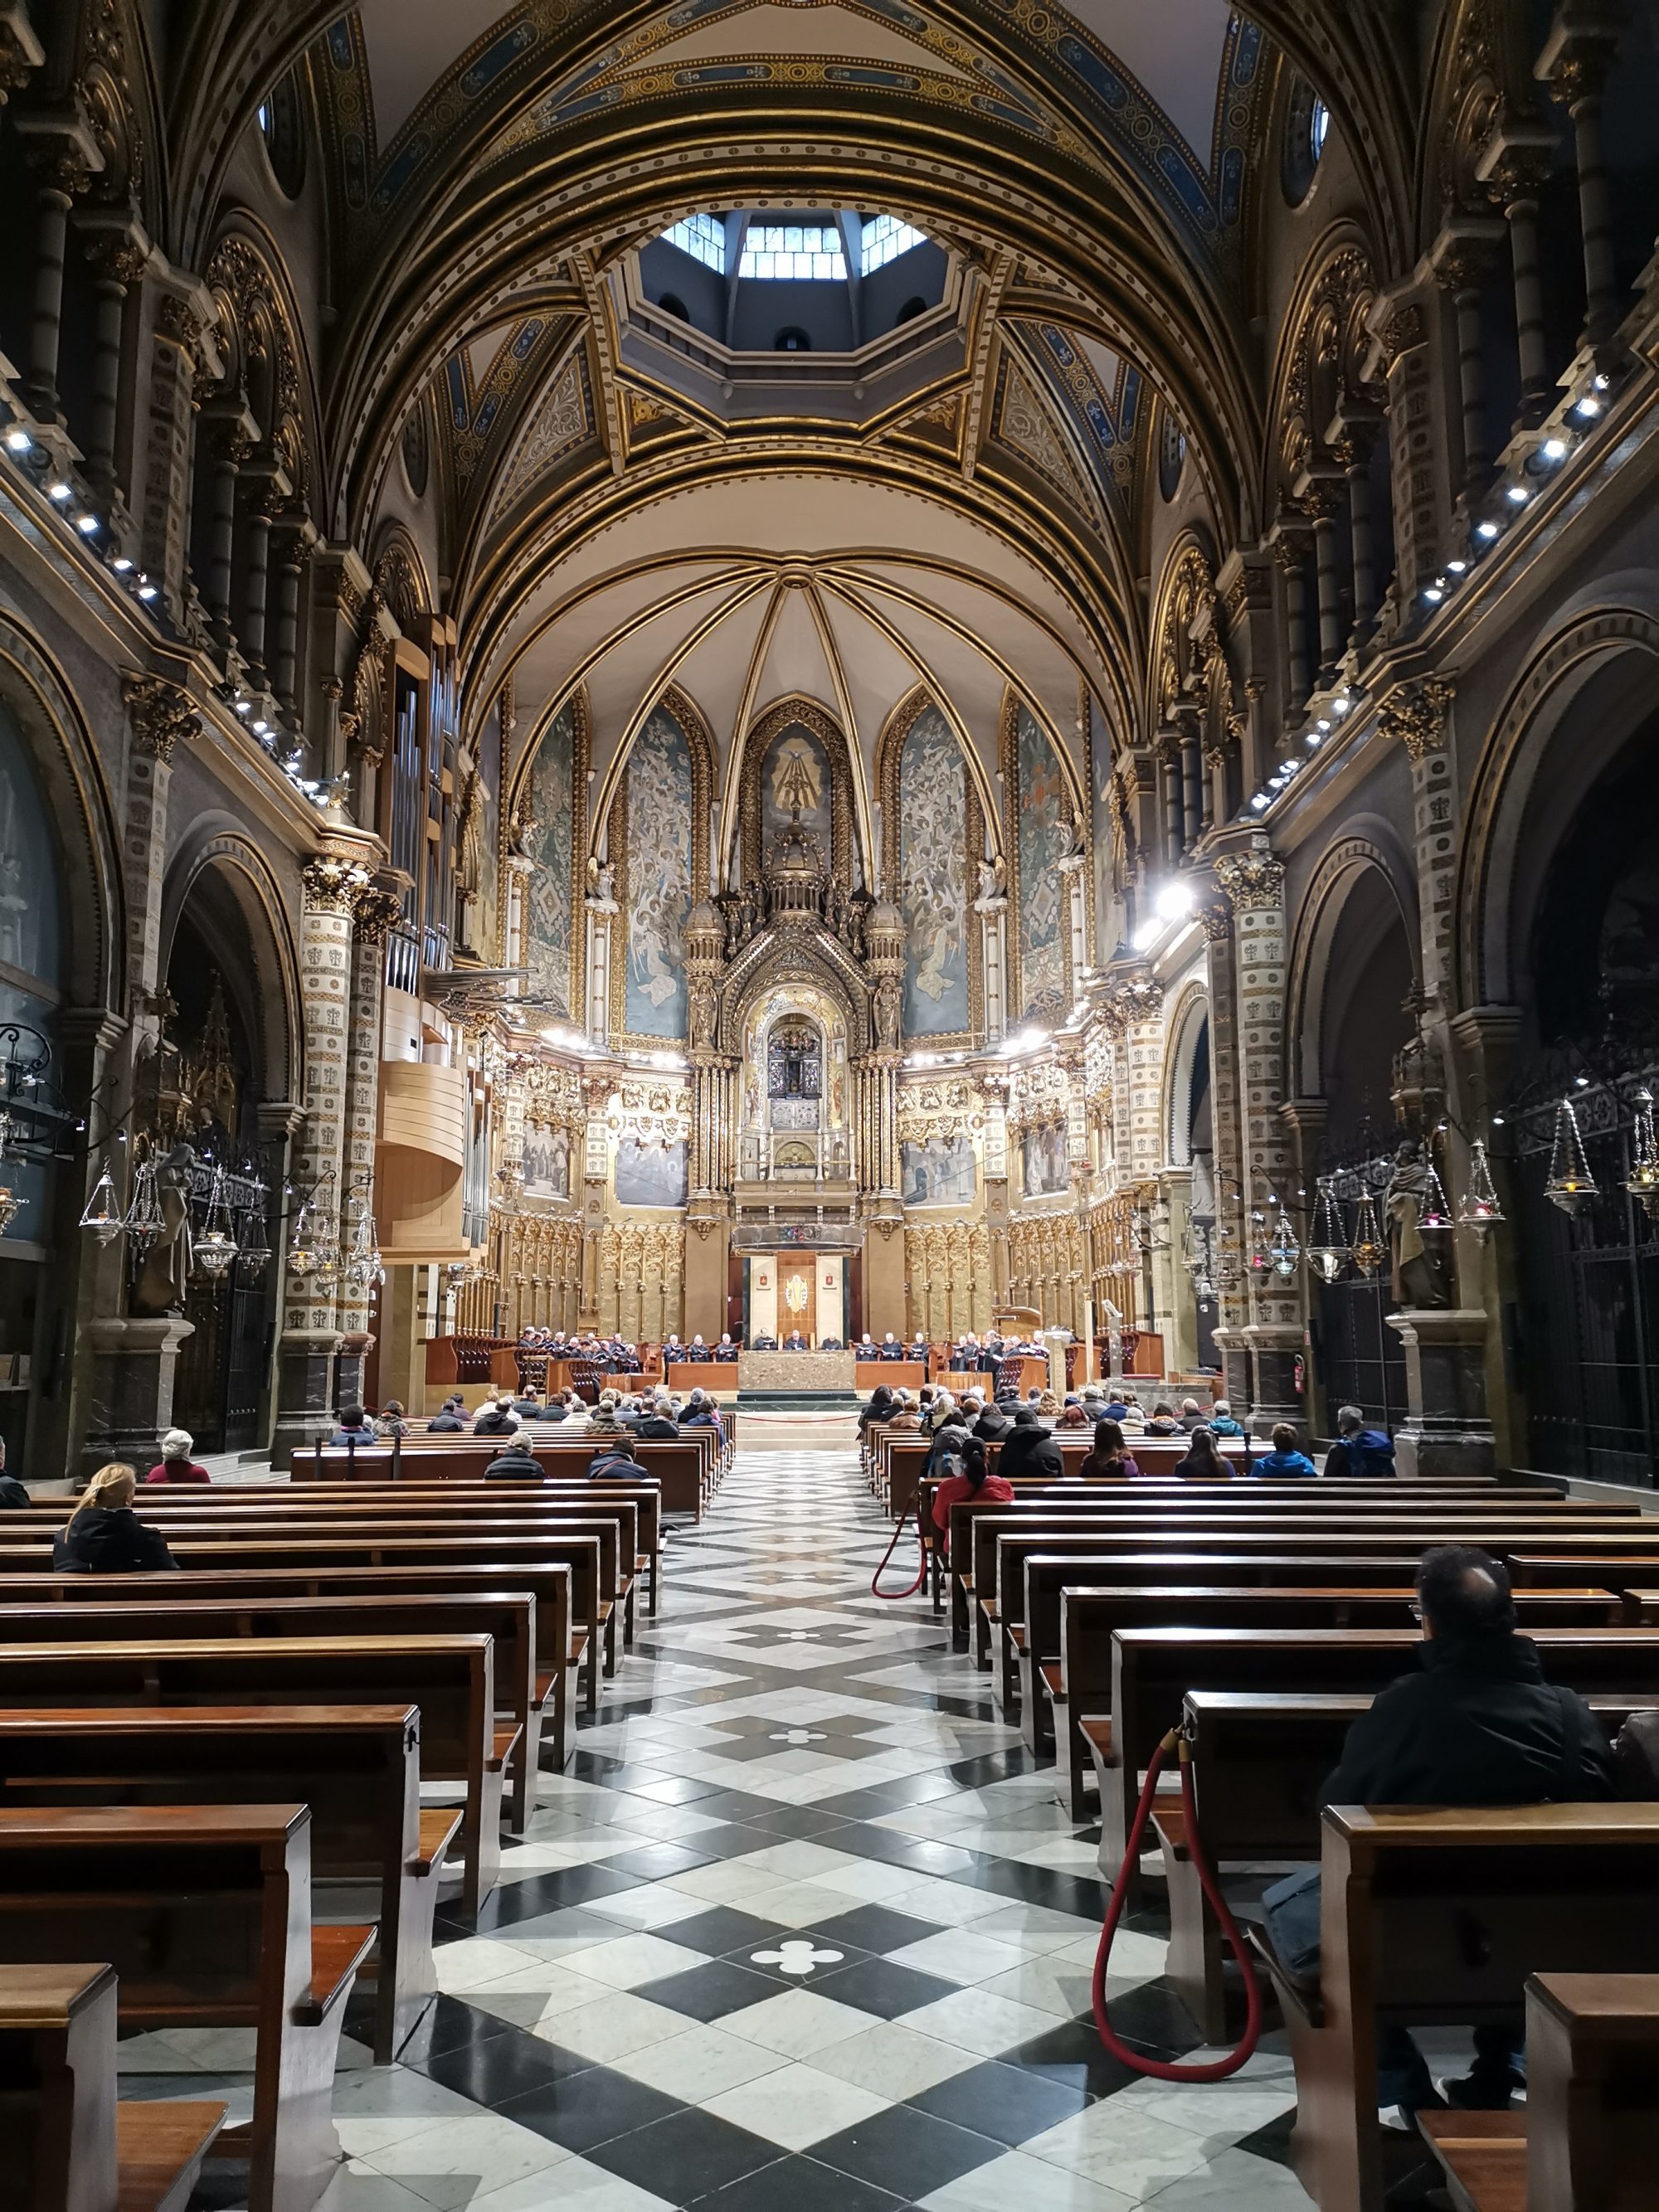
1253, 881
375, 913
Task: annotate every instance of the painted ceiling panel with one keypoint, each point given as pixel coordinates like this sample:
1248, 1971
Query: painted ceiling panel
768, 28
715, 672
411, 44
1174, 49
877, 675
795, 662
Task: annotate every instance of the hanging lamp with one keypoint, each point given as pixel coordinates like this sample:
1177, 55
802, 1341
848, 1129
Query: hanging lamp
101, 1213
1367, 1250
1642, 1181
1285, 1251
1480, 1210
1328, 1251
145, 1221
1571, 1185
215, 1248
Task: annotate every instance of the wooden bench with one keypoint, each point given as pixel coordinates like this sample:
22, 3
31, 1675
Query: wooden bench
253, 1551
450, 1678
565, 1591
1261, 1762
1080, 1688
358, 1768
1430, 1916
682, 1466
1353, 1533
1153, 1669
70, 2146
1589, 2139
203, 1912
523, 1688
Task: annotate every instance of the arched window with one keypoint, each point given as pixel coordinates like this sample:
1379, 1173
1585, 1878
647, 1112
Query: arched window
792, 339
1307, 127
1172, 455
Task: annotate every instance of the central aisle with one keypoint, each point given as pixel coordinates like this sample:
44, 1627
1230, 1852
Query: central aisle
800, 1928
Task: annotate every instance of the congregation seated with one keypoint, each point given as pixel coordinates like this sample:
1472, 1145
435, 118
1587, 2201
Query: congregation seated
1110, 1457
1222, 1423
613, 1456
1048, 1405
605, 1419
796, 1342
890, 1347
906, 1417
450, 1419
388, 1423
175, 1464
526, 1405
1192, 1415
1029, 1449
496, 1418
515, 1461
560, 1406
104, 1535
355, 1427
1202, 1461
658, 1418
12, 1493
1071, 1415
992, 1425
1477, 1724
700, 1412
974, 1485
725, 1351
1285, 1458
1359, 1450
1163, 1422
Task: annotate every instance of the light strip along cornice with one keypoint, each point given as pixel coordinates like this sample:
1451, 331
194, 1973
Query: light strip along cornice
1065, 559
999, 198
648, 698
854, 597
483, 681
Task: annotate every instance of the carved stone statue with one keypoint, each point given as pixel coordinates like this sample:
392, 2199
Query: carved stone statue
701, 1015
602, 887
1417, 1274
993, 897
889, 1006
164, 1284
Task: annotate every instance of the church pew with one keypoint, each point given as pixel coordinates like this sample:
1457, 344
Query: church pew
972, 1527
450, 1678
566, 1592
257, 1549
1589, 2135
523, 1688
70, 2147
1087, 1606
999, 1592
1154, 1670
357, 1767
1261, 1761
682, 1466
1435, 1917
203, 1912
458, 1504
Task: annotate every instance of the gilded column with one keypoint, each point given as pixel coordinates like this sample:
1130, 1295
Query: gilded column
1254, 883
373, 913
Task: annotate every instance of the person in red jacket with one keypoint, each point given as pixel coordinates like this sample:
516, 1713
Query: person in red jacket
176, 1464
967, 1483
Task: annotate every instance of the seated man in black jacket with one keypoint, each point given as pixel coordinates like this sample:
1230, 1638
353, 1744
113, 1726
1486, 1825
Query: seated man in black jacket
1029, 1449
1476, 1725
515, 1461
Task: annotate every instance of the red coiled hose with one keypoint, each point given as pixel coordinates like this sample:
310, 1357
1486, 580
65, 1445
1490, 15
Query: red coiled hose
1218, 2068
910, 1589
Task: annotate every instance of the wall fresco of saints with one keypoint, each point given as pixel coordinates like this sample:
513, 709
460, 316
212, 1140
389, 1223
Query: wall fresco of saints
658, 897
1106, 912
1043, 826
933, 878
1047, 1169
550, 897
795, 778
546, 1162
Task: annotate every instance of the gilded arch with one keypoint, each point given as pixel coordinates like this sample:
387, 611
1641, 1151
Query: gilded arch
846, 845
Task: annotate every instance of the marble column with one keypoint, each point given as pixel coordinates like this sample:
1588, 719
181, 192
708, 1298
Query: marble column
162, 716
117, 259
1513, 167
1324, 500
1459, 258
1402, 355
65, 175
229, 454
169, 472
1254, 881
1577, 57
1231, 1292
260, 513
375, 912
312, 1334
1290, 550
296, 538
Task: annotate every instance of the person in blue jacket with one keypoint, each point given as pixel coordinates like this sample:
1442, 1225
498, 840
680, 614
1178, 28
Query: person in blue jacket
1285, 1458
1359, 1450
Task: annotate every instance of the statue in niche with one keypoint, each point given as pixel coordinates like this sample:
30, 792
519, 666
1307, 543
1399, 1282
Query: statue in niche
889, 1006
993, 894
164, 1284
470, 862
521, 836
1418, 1275
702, 1017
602, 887
835, 908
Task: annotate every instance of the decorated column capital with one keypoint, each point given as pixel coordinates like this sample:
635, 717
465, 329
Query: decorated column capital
161, 713
333, 882
375, 910
1416, 713
1252, 881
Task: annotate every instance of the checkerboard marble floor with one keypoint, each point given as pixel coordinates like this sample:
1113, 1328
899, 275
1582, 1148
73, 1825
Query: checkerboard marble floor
802, 1926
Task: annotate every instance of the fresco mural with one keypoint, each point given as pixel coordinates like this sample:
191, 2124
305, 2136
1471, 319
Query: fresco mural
933, 878
550, 897
651, 1175
659, 894
546, 1163
1101, 840
1043, 826
939, 1172
1047, 1169
795, 776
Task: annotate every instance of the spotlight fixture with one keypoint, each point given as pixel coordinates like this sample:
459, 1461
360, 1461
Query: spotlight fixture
146, 590
1588, 408
121, 565
18, 440
60, 494
1488, 530
1456, 567
1517, 494
1555, 449
1434, 594
1314, 741
87, 524
244, 706
260, 727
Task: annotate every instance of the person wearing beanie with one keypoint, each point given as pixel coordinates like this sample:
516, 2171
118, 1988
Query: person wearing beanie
175, 1464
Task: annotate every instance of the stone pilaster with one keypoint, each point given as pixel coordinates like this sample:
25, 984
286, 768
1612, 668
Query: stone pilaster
1232, 1296
1399, 324
161, 715
375, 911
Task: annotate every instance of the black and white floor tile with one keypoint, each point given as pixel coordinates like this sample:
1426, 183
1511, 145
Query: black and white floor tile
802, 1926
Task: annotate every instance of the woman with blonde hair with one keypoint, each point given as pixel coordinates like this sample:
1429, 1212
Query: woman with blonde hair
104, 1535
